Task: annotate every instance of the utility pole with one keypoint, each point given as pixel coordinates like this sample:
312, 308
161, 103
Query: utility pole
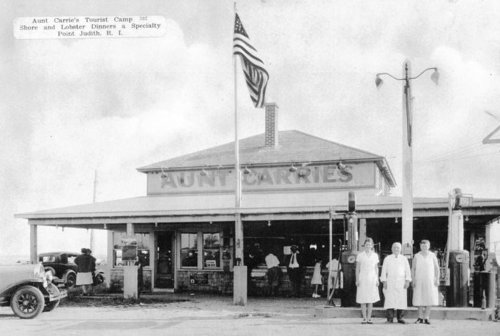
407, 141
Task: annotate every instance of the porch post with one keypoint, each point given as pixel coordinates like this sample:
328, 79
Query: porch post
130, 229
239, 270
33, 244
110, 258
152, 257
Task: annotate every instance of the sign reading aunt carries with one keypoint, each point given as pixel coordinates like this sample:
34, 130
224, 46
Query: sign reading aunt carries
361, 175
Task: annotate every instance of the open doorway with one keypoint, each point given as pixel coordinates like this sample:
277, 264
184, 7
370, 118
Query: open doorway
164, 257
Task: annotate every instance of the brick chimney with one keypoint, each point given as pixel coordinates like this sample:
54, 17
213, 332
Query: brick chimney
271, 134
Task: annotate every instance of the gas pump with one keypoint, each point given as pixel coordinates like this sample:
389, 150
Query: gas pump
458, 260
459, 279
348, 259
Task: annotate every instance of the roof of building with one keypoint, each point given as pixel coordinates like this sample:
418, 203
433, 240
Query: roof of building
294, 146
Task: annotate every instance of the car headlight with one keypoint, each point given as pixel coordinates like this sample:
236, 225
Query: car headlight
49, 276
39, 273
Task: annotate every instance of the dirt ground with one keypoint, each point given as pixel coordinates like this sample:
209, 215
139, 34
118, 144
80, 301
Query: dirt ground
184, 314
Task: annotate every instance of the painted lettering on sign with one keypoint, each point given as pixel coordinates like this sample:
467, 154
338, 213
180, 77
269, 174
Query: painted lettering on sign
268, 178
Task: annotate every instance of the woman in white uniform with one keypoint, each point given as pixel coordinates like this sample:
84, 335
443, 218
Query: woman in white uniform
425, 275
367, 280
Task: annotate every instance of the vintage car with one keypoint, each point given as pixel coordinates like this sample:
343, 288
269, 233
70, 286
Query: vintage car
62, 265
28, 289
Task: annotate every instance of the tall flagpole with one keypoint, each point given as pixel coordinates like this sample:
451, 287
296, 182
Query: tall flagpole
238, 225
239, 271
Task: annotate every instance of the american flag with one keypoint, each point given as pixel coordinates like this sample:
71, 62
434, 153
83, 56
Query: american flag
255, 74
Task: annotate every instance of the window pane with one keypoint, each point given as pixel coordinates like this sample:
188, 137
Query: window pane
189, 250
211, 250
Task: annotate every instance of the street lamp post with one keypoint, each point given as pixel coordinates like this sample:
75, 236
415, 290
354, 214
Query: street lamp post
407, 187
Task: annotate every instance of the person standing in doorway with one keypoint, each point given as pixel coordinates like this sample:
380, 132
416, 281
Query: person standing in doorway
273, 273
425, 275
295, 270
396, 277
86, 267
367, 280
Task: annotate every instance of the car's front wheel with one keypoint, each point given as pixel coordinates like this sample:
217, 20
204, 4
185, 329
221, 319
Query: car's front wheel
27, 302
53, 290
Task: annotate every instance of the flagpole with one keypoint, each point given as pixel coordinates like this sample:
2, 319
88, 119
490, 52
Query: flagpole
239, 271
238, 226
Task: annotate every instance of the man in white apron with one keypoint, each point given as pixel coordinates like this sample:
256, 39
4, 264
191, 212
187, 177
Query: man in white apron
396, 277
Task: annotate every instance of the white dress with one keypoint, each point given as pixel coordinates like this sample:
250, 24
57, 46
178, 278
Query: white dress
316, 278
395, 271
83, 278
367, 291
425, 292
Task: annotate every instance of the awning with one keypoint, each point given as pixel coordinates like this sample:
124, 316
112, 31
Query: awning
255, 206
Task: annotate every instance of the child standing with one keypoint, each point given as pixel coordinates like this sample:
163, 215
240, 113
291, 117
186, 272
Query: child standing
316, 280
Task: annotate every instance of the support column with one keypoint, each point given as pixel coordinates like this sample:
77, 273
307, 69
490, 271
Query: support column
130, 230
239, 270
490, 264
110, 258
152, 257
33, 244
330, 247
407, 187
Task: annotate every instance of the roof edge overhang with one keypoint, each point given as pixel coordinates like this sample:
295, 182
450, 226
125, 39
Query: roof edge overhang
375, 159
363, 210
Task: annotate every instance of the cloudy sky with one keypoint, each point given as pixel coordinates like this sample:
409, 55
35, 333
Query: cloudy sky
71, 107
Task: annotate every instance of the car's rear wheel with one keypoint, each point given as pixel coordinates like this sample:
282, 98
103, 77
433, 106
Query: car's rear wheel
27, 302
99, 279
52, 289
70, 280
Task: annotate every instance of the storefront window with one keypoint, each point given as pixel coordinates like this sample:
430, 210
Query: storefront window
211, 250
142, 250
189, 250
